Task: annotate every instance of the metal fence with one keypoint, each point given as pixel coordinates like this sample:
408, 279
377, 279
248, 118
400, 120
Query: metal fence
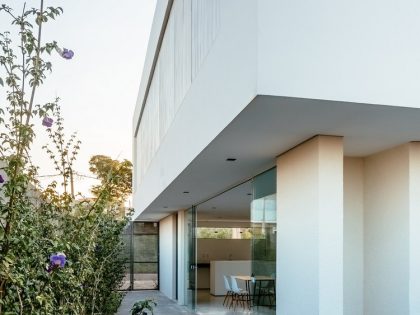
142, 254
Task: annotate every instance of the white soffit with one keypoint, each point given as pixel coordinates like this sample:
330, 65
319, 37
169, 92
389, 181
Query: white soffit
271, 125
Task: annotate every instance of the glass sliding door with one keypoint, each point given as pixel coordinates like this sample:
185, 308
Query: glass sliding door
191, 260
264, 230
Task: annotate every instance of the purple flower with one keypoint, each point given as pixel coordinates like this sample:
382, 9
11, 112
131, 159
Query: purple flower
67, 53
1, 179
57, 260
47, 122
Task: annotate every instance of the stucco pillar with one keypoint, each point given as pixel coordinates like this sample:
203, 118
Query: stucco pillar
310, 228
182, 253
167, 256
414, 229
392, 231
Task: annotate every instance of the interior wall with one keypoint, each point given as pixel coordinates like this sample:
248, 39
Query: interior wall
220, 249
386, 232
167, 256
353, 235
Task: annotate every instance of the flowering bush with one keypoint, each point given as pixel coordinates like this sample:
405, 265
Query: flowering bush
59, 254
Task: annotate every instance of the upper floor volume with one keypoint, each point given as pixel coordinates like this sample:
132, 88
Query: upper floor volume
209, 59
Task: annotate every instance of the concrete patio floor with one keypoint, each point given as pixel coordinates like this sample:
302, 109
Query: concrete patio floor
207, 305
164, 306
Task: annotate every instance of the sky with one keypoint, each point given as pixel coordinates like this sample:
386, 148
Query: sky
98, 87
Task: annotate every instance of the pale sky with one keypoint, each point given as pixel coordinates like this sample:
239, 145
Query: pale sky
98, 87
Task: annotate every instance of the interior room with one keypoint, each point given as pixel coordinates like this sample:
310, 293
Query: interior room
235, 238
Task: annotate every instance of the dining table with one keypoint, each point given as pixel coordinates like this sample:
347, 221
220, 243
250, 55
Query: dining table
257, 281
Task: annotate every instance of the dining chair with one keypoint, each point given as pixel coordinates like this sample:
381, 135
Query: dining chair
240, 296
229, 292
268, 290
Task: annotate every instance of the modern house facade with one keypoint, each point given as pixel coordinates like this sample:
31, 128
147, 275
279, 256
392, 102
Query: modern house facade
309, 113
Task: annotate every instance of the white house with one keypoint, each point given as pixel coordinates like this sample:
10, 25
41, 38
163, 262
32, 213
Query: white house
325, 95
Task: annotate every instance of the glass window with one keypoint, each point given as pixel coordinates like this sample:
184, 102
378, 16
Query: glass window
227, 233
264, 226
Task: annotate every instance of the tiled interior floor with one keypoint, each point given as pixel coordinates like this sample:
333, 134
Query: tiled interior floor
208, 304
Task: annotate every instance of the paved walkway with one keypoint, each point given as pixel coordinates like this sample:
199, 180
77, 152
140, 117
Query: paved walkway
164, 306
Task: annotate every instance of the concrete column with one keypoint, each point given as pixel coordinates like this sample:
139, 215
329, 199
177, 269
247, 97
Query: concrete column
386, 232
167, 256
353, 235
414, 229
310, 228
182, 254
392, 231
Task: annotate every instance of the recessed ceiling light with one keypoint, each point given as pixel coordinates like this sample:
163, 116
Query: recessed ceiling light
186, 192
230, 159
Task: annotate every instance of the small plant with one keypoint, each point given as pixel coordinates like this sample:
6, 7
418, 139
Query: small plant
140, 307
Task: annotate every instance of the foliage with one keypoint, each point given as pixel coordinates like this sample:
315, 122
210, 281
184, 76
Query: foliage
215, 233
225, 233
140, 307
58, 254
116, 174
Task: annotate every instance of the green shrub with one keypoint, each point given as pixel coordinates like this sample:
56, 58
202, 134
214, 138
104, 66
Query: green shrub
59, 254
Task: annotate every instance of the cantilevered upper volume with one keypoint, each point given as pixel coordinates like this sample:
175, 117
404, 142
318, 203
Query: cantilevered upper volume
206, 64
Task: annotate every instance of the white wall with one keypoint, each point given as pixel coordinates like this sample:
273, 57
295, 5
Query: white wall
353, 235
167, 256
158, 20
210, 103
310, 228
182, 258
381, 232
356, 51
386, 231
360, 51
414, 228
